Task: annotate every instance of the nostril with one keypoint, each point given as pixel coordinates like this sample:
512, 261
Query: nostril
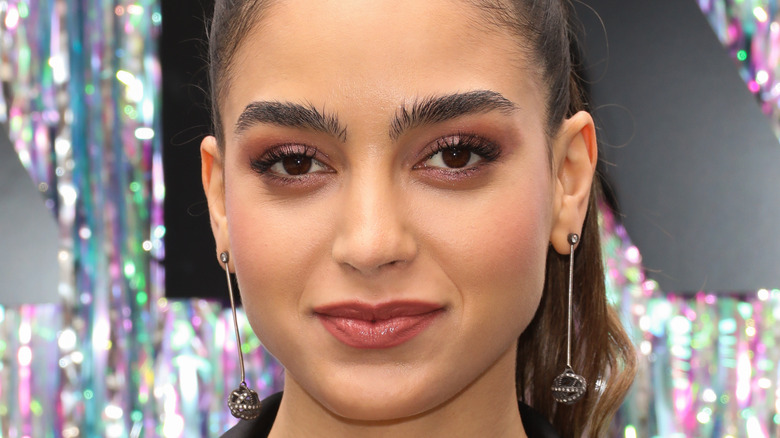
394, 263
369, 268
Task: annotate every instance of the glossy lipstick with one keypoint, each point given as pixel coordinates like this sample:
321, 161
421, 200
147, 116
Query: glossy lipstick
361, 325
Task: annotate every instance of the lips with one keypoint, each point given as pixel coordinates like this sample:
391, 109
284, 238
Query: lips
361, 325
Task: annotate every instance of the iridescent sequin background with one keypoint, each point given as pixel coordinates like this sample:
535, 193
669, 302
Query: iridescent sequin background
115, 358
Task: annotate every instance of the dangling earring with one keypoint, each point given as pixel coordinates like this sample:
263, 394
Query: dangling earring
569, 387
243, 402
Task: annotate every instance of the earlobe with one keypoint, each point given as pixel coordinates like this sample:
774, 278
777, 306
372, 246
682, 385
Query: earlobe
575, 153
214, 187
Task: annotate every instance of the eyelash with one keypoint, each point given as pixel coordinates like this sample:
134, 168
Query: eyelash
264, 162
472, 143
475, 144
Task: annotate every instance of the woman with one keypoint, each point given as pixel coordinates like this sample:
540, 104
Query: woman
394, 184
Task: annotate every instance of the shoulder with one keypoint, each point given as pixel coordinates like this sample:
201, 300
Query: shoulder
260, 427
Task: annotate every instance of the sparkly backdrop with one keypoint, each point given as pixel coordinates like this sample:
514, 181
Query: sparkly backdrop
81, 96
115, 358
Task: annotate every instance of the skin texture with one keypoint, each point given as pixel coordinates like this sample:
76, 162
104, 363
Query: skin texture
380, 218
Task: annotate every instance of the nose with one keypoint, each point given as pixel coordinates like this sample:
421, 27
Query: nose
373, 231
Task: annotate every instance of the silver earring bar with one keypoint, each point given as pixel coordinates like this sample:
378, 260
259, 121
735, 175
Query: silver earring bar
243, 402
569, 387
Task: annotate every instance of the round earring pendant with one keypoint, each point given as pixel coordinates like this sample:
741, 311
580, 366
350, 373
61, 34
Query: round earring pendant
244, 403
568, 387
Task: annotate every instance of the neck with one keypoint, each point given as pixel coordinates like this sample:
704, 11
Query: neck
487, 407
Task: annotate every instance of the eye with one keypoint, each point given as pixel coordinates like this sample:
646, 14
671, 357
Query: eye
459, 152
296, 165
453, 158
289, 161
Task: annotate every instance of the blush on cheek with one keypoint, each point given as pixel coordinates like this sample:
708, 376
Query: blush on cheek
516, 253
275, 247
501, 254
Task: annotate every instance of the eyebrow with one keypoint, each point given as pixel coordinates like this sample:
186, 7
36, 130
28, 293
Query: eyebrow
430, 110
291, 115
437, 109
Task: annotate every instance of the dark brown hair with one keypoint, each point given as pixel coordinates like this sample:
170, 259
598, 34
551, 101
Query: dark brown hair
232, 21
604, 354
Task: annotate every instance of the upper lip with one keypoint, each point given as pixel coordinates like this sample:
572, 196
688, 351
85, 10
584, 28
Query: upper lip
377, 312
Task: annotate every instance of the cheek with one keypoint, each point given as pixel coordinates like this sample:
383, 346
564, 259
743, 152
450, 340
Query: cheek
275, 247
494, 250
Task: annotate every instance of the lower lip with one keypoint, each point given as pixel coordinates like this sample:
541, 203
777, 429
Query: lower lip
359, 333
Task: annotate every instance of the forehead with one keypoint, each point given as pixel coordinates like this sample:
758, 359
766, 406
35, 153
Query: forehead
317, 51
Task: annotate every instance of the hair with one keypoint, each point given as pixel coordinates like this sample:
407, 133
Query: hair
604, 355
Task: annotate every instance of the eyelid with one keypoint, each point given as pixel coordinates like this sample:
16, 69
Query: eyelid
263, 162
474, 143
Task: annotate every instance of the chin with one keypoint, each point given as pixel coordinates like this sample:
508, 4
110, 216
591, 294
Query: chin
378, 398
374, 408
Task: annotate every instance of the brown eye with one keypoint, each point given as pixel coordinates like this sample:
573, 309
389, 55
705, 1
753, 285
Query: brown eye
296, 165
455, 157
292, 161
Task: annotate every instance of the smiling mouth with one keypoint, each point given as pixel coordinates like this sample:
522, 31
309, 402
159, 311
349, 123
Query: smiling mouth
360, 325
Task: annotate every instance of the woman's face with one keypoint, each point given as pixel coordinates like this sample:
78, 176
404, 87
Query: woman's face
388, 199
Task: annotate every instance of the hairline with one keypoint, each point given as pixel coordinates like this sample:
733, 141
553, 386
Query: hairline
500, 16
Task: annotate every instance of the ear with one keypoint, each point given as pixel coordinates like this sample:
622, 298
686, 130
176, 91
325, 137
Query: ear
575, 152
214, 186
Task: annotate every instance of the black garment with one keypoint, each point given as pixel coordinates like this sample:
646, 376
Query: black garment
535, 425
